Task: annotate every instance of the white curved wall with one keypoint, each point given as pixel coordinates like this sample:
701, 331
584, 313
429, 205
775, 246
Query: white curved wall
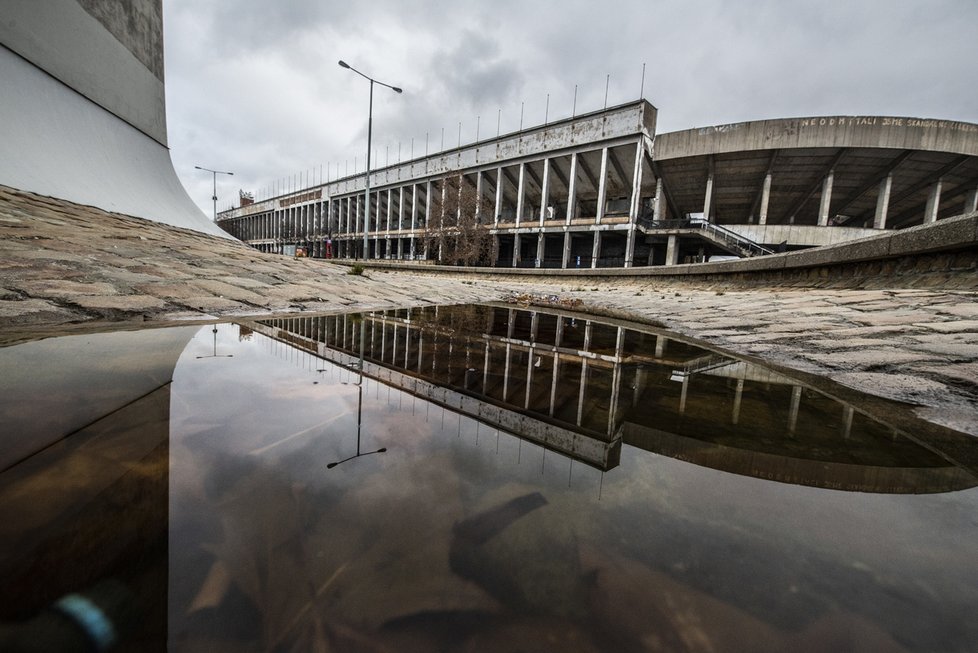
82, 119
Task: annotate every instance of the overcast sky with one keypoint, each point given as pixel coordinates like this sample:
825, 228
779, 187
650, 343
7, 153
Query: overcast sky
254, 87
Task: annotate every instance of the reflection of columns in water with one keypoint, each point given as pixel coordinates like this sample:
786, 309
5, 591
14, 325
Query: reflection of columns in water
682, 396
641, 378
615, 381
580, 396
383, 339
795, 403
737, 397
553, 382
420, 349
485, 370
531, 363
407, 339
848, 412
394, 344
509, 349
558, 337
373, 334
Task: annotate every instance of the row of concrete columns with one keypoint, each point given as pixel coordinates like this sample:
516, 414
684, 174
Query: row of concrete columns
825, 197
408, 208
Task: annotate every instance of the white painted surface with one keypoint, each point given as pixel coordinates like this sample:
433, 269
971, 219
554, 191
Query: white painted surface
56, 142
61, 38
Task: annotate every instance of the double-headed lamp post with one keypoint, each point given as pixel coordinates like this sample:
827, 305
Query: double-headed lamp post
215, 173
370, 122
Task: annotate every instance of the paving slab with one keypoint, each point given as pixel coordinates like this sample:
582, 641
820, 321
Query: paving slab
128, 303
869, 358
952, 326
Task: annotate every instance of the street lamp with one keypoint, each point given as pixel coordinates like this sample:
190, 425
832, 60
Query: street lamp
214, 173
370, 121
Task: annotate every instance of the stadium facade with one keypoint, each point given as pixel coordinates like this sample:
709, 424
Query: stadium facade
604, 190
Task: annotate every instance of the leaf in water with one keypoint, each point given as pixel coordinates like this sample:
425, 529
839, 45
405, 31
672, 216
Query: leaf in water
214, 588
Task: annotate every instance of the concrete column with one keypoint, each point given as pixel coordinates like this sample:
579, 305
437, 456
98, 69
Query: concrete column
883, 202
390, 193
636, 186
478, 197
545, 192
414, 210
519, 194
499, 196
565, 258
400, 208
602, 185
571, 189
516, 249
825, 205
672, 250
971, 201
596, 249
660, 200
708, 197
427, 204
765, 199
933, 202
541, 248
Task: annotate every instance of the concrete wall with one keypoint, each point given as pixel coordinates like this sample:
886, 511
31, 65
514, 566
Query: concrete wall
807, 235
943, 254
82, 111
827, 131
62, 38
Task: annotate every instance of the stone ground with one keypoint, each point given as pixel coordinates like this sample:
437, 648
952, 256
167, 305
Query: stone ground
65, 267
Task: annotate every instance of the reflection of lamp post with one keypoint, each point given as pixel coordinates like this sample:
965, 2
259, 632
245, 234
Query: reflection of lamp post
359, 422
214, 174
359, 385
370, 122
215, 354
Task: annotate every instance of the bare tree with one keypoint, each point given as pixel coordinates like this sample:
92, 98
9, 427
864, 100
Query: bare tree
458, 231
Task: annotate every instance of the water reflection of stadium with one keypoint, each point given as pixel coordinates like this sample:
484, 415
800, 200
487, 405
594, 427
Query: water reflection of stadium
583, 387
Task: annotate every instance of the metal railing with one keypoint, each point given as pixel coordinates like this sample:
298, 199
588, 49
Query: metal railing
740, 244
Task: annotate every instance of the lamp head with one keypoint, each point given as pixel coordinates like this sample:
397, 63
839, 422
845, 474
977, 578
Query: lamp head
344, 64
397, 90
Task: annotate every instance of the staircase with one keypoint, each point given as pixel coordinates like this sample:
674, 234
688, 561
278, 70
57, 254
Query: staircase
729, 240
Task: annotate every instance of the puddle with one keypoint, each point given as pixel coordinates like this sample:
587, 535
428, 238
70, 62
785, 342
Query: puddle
495, 479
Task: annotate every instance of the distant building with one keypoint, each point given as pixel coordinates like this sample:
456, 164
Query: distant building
604, 190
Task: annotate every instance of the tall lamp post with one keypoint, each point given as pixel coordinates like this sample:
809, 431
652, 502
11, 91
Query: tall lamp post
370, 122
214, 173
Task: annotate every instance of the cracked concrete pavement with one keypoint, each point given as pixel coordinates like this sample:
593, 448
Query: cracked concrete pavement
65, 267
